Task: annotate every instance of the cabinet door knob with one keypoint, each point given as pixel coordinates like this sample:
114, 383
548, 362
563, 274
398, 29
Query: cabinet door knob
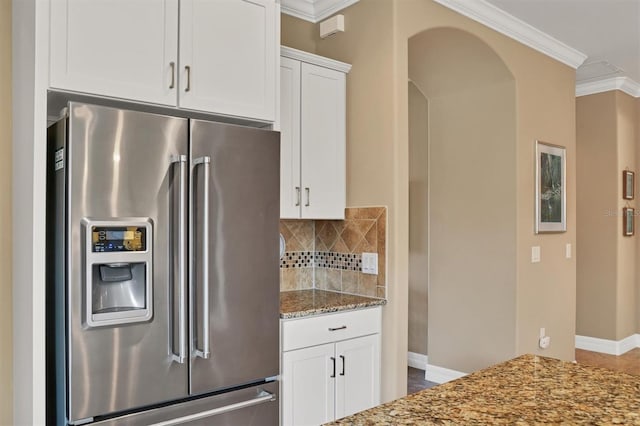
343, 364
173, 75
187, 69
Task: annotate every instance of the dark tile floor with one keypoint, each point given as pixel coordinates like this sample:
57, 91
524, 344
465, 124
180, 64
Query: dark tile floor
627, 363
416, 381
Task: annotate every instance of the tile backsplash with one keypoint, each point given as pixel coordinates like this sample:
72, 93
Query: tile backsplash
327, 254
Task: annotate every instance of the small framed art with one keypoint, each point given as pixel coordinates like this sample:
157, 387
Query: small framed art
551, 196
628, 184
628, 222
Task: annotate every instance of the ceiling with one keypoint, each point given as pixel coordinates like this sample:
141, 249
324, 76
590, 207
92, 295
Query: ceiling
607, 31
601, 38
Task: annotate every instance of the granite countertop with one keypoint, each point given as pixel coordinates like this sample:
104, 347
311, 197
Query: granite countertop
526, 390
302, 303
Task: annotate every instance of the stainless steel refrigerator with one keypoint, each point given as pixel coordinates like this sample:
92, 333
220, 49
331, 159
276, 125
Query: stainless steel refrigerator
163, 275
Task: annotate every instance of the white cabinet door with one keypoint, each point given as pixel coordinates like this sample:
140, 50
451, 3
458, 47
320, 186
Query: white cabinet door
289, 139
228, 57
323, 142
307, 386
116, 48
358, 375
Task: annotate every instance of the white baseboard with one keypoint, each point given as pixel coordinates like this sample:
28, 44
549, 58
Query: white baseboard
417, 360
432, 373
441, 375
611, 347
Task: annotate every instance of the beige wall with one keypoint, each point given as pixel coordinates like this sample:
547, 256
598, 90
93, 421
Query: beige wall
298, 33
599, 227
472, 276
626, 126
545, 109
376, 44
418, 219
607, 138
6, 372
638, 192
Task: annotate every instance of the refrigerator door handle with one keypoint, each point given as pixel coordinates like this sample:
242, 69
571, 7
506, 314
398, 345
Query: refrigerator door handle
205, 351
181, 356
262, 397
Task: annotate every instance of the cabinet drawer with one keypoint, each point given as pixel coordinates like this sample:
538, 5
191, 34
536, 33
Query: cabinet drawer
317, 330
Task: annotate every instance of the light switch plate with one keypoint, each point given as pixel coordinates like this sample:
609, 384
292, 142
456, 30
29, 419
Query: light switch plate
370, 263
535, 254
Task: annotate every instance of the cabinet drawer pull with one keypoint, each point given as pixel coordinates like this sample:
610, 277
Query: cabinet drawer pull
343, 364
333, 360
173, 75
187, 68
337, 328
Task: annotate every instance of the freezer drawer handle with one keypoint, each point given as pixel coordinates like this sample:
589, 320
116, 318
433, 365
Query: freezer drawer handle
205, 351
262, 397
181, 356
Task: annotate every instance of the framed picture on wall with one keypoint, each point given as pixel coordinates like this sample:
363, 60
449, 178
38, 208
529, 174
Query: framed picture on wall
628, 225
628, 184
551, 194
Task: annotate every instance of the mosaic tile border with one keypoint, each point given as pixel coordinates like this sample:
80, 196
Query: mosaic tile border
297, 259
322, 259
343, 261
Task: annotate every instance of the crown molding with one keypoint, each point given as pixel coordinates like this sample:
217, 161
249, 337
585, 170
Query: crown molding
504, 23
310, 58
625, 84
313, 10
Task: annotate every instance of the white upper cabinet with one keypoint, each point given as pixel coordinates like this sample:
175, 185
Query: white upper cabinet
290, 195
218, 56
116, 48
228, 57
313, 136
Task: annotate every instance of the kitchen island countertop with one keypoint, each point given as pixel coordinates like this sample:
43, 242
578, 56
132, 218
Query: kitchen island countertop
302, 303
526, 390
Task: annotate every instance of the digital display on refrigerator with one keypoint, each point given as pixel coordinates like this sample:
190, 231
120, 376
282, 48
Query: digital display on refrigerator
118, 239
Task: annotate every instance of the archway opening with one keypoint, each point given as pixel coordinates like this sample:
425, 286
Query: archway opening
462, 192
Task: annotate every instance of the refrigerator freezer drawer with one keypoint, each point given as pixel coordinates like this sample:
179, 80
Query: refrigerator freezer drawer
255, 406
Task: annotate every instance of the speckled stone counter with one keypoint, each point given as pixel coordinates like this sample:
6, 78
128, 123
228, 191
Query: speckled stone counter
524, 391
302, 303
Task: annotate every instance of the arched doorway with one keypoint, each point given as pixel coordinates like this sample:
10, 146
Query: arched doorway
463, 207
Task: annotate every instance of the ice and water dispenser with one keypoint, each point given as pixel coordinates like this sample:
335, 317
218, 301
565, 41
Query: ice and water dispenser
118, 283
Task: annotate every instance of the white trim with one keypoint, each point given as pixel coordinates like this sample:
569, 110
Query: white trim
417, 360
314, 10
30, 75
440, 375
504, 23
624, 84
611, 347
310, 58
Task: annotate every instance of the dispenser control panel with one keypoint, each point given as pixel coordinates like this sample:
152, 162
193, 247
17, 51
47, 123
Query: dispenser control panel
118, 239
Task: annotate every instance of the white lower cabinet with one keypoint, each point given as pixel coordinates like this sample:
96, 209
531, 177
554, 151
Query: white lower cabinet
330, 366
